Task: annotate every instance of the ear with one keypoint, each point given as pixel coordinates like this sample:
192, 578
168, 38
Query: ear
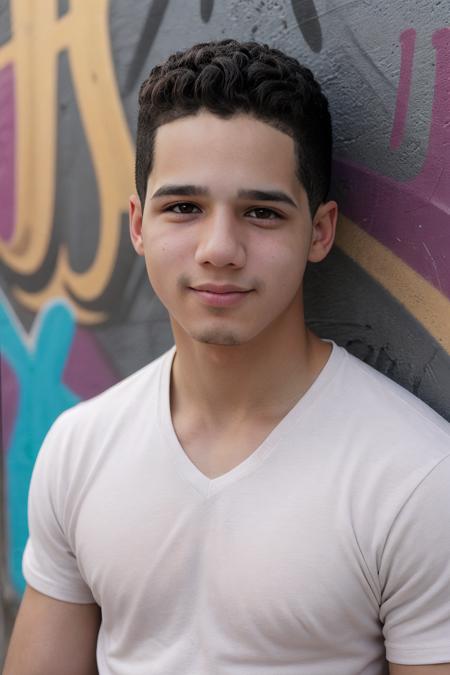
323, 231
135, 215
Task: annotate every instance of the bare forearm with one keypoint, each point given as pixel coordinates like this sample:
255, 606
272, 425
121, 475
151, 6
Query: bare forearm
51, 637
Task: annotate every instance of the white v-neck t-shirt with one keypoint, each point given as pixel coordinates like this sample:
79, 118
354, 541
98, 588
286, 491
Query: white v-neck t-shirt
325, 552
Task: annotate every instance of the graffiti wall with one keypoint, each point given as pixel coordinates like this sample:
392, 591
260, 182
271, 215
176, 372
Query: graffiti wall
77, 313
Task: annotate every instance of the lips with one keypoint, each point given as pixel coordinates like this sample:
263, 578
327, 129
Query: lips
220, 295
220, 288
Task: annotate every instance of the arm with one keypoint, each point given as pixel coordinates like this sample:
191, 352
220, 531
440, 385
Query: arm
51, 637
434, 669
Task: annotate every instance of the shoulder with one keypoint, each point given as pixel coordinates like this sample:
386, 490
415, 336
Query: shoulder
388, 409
382, 439
387, 453
85, 431
141, 386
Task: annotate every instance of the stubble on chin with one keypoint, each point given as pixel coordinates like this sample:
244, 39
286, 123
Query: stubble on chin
217, 337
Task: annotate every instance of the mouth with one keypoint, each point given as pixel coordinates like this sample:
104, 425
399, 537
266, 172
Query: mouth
215, 295
220, 288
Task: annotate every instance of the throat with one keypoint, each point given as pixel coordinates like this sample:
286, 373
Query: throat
222, 415
216, 451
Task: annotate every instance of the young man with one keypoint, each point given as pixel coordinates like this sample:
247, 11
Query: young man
256, 500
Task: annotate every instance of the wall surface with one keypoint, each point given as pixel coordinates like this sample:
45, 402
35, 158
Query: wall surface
77, 313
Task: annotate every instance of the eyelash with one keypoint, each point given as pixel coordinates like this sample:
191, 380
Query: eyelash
274, 215
173, 206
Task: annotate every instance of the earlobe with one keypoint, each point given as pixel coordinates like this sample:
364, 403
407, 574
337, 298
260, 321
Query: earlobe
324, 230
135, 217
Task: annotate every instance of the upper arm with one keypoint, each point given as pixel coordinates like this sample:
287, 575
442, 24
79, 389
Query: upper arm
434, 669
51, 637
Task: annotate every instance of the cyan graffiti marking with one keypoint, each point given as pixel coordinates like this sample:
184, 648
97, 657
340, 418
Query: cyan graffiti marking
38, 362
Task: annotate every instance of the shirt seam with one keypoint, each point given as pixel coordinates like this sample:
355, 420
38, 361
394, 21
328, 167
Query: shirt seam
409, 497
35, 580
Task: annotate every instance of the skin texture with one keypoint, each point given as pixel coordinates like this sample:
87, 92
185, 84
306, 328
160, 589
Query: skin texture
51, 637
220, 241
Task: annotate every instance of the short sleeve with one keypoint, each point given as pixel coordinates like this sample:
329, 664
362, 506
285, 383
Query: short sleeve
49, 565
415, 575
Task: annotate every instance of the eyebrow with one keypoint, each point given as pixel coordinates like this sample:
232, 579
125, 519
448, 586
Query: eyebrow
267, 196
185, 190
198, 190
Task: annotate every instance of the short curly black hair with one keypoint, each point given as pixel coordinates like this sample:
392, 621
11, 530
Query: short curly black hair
229, 77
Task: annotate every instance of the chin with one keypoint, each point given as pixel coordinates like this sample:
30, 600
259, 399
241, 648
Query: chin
218, 337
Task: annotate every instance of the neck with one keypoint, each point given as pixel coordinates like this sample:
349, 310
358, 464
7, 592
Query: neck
263, 377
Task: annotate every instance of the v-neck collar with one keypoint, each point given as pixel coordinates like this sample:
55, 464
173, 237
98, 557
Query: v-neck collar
190, 472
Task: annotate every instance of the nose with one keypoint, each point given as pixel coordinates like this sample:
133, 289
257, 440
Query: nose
220, 242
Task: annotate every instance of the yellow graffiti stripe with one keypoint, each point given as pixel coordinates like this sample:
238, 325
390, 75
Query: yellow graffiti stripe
419, 297
34, 67
7, 54
108, 137
38, 36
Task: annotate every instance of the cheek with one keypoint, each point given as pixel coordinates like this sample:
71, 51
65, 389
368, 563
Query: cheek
282, 263
166, 258
165, 250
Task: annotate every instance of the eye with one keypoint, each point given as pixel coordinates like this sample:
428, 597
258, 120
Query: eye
262, 213
185, 208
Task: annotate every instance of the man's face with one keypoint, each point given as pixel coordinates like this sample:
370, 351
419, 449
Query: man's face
226, 229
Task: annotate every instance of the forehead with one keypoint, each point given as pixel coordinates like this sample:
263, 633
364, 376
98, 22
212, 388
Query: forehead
229, 152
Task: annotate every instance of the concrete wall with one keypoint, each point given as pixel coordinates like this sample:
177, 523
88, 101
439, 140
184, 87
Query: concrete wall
77, 313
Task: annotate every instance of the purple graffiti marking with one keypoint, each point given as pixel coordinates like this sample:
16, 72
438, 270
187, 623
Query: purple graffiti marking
10, 399
87, 372
412, 218
7, 144
408, 45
